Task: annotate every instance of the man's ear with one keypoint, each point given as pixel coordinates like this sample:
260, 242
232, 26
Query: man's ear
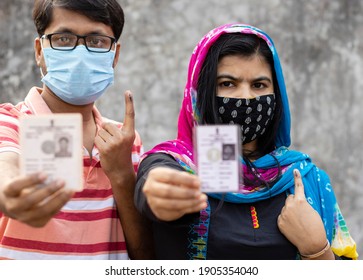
117, 54
38, 51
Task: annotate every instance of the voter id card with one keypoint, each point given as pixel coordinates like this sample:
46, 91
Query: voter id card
53, 144
217, 151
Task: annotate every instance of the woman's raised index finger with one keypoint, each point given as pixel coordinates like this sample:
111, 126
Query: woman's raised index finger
299, 186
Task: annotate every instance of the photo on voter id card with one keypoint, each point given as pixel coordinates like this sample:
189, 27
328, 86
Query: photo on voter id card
217, 153
53, 144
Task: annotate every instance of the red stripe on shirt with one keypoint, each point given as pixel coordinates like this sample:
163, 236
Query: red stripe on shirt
63, 247
8, 139
87, 216
9, 125
136, 148
97, 164
94, 193
87, 162
9, 109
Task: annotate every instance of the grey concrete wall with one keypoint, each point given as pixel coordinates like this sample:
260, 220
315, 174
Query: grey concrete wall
320, 43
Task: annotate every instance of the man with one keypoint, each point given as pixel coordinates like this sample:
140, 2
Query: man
63, 151
76, 51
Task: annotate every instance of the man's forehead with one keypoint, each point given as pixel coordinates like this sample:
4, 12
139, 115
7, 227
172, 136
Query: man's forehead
64, 20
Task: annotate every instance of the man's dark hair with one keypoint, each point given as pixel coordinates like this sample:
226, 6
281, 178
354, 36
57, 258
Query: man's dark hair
108, 12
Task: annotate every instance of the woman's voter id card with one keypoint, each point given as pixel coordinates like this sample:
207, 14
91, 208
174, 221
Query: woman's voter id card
217, 152
53, 144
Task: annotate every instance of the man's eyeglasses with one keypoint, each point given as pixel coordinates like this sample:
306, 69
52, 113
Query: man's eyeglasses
69, 41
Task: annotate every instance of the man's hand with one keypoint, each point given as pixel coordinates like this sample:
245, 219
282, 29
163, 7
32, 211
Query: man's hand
115, 144
28, 200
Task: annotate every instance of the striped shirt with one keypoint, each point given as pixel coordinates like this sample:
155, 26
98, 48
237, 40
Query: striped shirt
87, 227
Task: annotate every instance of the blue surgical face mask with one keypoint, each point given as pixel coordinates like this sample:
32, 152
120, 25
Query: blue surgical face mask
78, 77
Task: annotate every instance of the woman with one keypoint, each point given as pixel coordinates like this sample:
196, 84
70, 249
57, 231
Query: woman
286, 208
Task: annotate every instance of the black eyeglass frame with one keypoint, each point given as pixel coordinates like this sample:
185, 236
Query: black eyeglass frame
49, 37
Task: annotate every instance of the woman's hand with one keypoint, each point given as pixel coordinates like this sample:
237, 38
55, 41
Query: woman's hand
173, 193
300, 223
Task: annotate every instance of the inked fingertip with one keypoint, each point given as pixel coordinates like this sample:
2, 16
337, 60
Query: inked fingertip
129, 95
296, 173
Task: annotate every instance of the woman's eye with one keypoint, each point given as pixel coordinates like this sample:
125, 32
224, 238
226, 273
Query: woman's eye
259, 85
226, 84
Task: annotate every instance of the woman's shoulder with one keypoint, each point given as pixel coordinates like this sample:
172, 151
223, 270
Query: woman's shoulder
159, 159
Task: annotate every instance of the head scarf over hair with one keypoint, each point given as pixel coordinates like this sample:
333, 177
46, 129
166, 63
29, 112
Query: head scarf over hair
318, 190
189, 116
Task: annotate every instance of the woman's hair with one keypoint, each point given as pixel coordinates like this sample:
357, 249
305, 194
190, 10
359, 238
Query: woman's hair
245, 45
108, 12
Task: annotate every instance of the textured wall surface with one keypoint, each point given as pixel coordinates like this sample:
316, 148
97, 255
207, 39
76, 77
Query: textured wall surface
320, 43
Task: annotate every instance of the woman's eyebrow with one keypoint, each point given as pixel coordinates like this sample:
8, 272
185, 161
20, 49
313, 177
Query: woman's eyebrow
262, 78
227, 76
230, 77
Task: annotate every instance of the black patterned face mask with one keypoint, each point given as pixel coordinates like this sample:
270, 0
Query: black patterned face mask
253, 115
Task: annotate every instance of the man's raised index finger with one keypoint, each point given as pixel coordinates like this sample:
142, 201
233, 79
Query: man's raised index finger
129, 120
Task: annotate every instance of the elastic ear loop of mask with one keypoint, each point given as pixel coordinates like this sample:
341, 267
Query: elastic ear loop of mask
41, 70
